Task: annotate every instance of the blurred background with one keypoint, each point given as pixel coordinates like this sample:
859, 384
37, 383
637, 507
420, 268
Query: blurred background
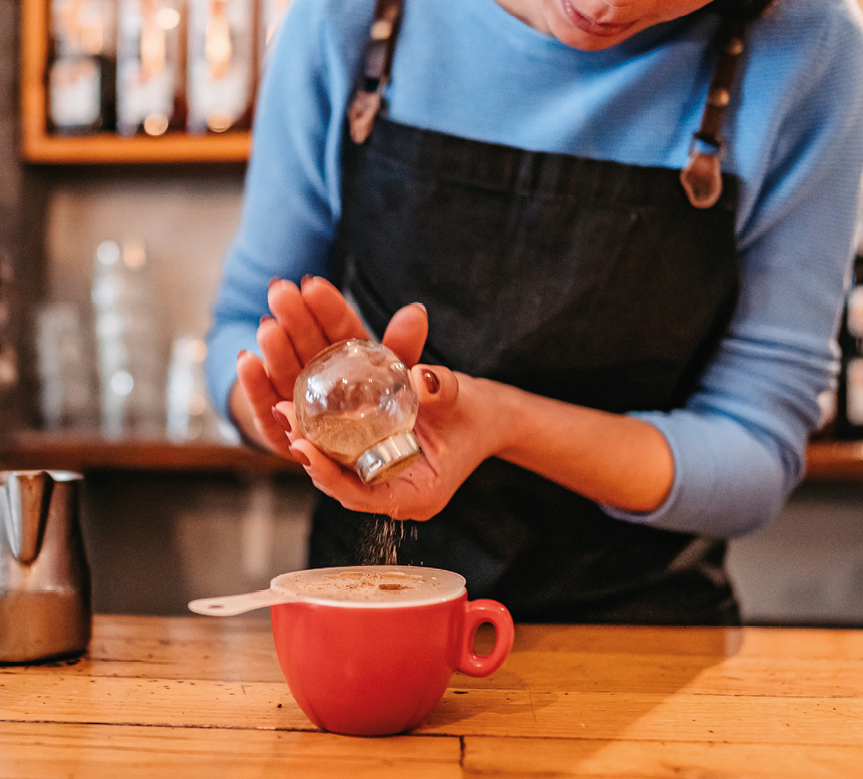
123, 140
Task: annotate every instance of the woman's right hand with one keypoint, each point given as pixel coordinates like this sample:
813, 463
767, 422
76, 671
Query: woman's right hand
303, 321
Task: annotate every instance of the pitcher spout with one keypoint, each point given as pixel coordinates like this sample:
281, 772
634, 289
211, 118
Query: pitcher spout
26, 497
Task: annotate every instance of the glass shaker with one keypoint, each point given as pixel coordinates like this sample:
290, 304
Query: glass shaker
356, 402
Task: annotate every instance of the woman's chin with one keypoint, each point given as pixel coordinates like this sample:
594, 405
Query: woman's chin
574, 29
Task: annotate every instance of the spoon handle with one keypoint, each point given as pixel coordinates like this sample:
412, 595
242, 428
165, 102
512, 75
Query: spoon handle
231, 605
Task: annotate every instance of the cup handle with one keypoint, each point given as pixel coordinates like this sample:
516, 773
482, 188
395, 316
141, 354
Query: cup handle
476, 613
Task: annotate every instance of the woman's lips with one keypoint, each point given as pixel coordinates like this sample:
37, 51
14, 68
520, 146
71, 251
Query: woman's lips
599, 29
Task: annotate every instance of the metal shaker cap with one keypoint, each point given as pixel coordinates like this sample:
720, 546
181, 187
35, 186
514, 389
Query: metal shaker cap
397, 450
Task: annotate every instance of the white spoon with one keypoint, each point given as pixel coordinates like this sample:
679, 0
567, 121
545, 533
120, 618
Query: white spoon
231, 605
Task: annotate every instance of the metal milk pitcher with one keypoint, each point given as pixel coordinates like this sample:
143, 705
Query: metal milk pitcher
45, 608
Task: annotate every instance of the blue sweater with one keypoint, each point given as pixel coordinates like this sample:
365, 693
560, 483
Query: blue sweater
793, 135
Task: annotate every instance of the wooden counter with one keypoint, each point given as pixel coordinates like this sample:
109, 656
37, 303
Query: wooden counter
197, 697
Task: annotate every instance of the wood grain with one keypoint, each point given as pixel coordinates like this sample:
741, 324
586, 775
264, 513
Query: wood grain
196, 695
97, 751
657, 759
680, 715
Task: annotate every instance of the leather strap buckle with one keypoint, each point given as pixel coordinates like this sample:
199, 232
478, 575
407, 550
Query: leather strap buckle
702, 176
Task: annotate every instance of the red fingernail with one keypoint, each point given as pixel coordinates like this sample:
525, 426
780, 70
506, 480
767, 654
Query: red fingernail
273, 281
300, 457
241, 353
282, 419
265, 318
304, 279
432, 381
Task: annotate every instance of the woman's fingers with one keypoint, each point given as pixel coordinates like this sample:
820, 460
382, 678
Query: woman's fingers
407, 332
327, 475
280, 360
262, 396
336, 318
318, 314
334, 480
437, 388
301, 326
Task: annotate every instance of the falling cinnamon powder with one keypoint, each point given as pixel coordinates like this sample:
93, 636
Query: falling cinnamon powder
381, 538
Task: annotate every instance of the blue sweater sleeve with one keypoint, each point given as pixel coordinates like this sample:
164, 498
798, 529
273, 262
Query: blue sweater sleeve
291, 189
740, 444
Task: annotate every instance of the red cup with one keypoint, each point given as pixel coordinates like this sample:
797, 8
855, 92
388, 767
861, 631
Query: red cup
379, 668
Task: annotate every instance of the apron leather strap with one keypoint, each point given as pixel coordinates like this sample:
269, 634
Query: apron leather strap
375, 72
702, 176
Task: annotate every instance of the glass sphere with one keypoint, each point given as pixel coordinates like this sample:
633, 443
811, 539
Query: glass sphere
356, 402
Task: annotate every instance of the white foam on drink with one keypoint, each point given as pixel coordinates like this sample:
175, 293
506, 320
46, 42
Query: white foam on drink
372, 586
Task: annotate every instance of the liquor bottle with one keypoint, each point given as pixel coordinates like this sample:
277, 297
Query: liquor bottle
849, 419
81, 74
150, 66
221, 68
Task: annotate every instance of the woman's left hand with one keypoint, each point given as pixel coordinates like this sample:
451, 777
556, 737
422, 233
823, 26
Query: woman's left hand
455, 430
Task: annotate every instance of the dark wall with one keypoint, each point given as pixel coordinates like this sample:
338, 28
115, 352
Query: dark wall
21, 215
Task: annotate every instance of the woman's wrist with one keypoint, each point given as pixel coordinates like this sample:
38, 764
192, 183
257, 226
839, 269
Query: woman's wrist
610, 458
241, 416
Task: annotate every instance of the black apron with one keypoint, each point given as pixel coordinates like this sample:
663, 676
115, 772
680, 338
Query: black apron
592, 282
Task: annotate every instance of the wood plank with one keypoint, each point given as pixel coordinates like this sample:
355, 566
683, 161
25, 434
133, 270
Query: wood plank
684, 641
559, 658
517, 712
168, 702
657, 760
678, 717
230, 650
105, 752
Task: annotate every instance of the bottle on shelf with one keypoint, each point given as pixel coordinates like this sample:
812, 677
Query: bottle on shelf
849, 418
8, 354
82, 69
151, 66
221, 65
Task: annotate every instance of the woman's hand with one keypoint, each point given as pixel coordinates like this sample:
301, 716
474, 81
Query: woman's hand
455, 432
304, 321
614, 459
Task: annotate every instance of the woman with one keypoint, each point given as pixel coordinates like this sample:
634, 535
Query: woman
624, 347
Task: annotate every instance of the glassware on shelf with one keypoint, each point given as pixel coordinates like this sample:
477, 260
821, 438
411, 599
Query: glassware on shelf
82, 70
150, 78
356, 402
191, 416
221, 65
849, 418
129, 343
65, 366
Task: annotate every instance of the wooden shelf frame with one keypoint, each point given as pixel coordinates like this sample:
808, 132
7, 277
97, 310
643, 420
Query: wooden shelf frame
835, 461
828, 461
74, 452
38, 146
